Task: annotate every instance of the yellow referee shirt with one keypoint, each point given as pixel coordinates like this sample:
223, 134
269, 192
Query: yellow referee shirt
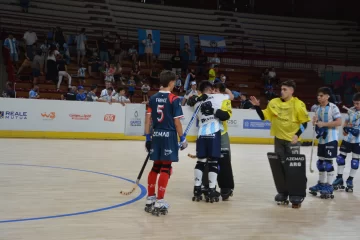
226, 106
286, 117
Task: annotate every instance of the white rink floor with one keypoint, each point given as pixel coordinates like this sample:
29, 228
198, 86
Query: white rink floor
91, 208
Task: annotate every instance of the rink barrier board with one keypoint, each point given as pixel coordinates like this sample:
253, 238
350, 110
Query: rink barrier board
27, 118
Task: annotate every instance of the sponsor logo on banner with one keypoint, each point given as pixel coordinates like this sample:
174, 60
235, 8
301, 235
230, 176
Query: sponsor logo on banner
109, 118
80, 116
13, 115
256, 124
48, 116
232, 123
135, 121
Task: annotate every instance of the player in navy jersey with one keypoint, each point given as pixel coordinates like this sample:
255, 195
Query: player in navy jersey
165, 112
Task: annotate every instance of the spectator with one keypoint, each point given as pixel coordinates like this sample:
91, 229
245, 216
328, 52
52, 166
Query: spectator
94, 65
24, 4
265, 75
91, 96
269, 90
215, 60
81, 95
9, 91
120, 97
190, 93
145, 88
102, 45
118, 52
176, 63
272, 73
212, 73
149, 43
185, 55
245, 102
30, 39
189, 78
81, 74
51, 35
37, 66
108, 97
52, 71
222, 79
104, 92
45, 47
109, 74
26, 63
131, 88
136, 72
81, 40
133, 54
70, 95
34, 93
62, 68
59, 37
178, 84
12, 45
202, 60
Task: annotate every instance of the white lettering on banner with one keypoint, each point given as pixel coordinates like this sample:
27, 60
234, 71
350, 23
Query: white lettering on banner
232, 123
161, 134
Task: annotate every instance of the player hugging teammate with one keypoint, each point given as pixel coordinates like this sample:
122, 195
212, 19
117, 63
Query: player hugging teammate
327, 118
350, 144
209, 142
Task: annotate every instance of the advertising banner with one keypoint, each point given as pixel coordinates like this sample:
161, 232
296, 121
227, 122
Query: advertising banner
135, 119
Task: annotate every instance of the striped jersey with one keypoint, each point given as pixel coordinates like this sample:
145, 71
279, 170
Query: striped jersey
210, 124
329, 113
353, 119
11, 44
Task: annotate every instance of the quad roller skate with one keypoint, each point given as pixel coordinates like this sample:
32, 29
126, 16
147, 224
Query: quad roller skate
213, 195
150, 201
296, 201
327, 192
226, 193
315, 189
205, 190
160, 208
281, 199
349, 185
338, 183
197, 194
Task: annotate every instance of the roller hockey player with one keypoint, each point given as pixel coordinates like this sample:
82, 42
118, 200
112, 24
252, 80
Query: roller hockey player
165, 112
327, 118
288, 117
208, 144
350, 144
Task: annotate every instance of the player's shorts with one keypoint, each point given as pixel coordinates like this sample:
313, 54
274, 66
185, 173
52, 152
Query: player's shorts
347, 147
209, 146
164, 146
328, 150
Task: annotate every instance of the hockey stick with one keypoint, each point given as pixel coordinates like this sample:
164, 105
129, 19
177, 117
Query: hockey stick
148, 156
312, 150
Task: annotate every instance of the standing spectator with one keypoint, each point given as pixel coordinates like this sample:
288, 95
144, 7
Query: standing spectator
133, 54
118, 52
91, 96
191, 92
45, 51
12, 45
131, 88
51, 68
212, 73
149, 43
81, 74
120, 97
245, 102
37, 66
272, 73
25, 5
145, 88
109, 74
136, 72
215, 60
81, 46
154, 77
62, 68
34, 93
94, 65
81, 95
30, 39
185, 54
269, 90
102, 45
202, 60
176, 63
51, 35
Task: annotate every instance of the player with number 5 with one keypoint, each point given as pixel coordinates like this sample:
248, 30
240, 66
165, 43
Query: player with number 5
327, 118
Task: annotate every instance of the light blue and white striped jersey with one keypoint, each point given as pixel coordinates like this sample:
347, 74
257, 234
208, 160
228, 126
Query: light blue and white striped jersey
329, 113
81, 72
353, 118
11, 44
210, 124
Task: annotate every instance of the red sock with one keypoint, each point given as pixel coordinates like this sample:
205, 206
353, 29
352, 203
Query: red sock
151, 183
163, 181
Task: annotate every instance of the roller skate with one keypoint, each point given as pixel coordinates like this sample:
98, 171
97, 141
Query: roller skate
296, 201
327, 192
338, 183
213, 195
349, 185
160, 208
226, 193
197, 194
315, 189
281, 199
150, 201
205, 190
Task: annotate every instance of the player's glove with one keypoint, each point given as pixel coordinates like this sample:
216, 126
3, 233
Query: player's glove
202, 98
321, 132
148, 142
192, 101
183, 143
353, 131
207, 109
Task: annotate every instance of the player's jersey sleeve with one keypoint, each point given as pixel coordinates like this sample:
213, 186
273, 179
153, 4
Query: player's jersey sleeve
302, 114
335, 112
149, 108
268, 112
176, 106
226, 106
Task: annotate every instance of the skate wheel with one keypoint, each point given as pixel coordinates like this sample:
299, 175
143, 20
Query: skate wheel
336, 188
278, 203
193, 198
332, 196
198, 199
322, 196
207, 200
216, 200
342, 187
296, 206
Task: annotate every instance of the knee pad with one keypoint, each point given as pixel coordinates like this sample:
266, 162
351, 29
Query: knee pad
200, 165
320, 165
166, 168
156, 168
328, 165
354, 163
213, 165
340, 160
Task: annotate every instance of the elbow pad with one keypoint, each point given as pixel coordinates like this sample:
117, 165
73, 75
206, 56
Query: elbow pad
222, 115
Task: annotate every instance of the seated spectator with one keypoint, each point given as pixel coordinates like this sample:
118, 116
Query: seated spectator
12, 45
212, 73
131, 89
9, 91
176, 63
104, 92
81, 95
108, 97
245, 102
62, 68
70, 95
91, 96
222, 79
37, 66
34, 92
145, 88
191, 92
202, 60
109, 73
81, 74
120, 97
214, 60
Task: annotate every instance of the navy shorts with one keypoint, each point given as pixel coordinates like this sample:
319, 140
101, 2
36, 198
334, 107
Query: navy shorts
328, 150
164, 146
347, 147
209, 146
35, 72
